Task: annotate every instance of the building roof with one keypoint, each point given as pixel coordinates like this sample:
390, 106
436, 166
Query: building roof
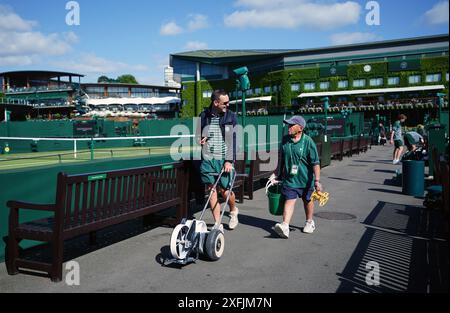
39, 74
127, 85
224, 55
134, 101
370, 91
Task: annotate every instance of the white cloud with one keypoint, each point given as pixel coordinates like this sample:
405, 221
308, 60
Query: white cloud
11, 21
71, 37
170, 29
90, 63
267, 3
197, 21
438, 14
196, 45
290, 14
32, 43
356, 37
21, 45
22, 60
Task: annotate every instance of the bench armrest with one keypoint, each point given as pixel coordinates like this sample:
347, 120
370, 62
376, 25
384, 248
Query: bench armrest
30, 206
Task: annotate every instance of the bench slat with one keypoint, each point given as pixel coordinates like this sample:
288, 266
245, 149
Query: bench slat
68, 205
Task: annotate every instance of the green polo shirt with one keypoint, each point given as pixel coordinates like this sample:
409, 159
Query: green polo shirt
303, 154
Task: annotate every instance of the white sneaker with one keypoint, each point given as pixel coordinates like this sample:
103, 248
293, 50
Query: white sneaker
234, 221
395, 162
309, 228
282, 229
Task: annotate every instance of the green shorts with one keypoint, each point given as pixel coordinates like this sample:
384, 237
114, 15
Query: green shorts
398, 143
209, 167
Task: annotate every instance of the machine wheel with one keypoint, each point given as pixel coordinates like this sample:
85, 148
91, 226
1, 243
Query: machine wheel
178, 242
215, 243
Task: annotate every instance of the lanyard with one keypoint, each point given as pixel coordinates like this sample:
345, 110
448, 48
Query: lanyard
302, 144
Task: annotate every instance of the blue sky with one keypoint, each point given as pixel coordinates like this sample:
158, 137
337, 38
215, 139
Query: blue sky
137, 36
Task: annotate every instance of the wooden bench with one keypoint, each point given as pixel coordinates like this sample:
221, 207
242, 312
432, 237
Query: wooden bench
347, 147
239, 182
89, 202
445, 189
364, 144
336, 149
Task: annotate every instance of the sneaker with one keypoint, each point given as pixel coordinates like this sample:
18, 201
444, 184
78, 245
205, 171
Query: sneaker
309, 228
282, 229
395, 162
234, 221
219, 227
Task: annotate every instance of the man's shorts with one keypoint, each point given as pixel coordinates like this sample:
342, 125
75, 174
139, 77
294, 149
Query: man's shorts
398, 143
209, 167
290, 193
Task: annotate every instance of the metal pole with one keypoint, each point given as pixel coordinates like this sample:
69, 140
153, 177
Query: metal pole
440, 103
244, 111
75, 148
325, 109
92, 149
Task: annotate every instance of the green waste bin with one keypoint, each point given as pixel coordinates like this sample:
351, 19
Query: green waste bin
413, 180
276, 200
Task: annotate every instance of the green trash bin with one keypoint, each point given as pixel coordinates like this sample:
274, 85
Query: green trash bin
276, 200
413, 178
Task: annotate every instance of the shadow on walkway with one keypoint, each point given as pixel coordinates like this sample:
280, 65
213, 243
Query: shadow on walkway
410, 248
386, 190
79, 246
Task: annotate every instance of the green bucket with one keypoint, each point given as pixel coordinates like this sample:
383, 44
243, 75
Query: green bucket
276, 200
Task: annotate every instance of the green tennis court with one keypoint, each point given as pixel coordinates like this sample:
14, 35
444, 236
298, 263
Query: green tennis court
37, 159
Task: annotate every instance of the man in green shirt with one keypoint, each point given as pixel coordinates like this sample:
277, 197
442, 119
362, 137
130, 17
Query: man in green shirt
300, 173
397, 138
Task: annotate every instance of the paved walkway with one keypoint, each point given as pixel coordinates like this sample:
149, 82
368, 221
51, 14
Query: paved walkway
389, 228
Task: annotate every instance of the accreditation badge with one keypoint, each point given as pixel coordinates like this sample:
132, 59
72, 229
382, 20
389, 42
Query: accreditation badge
294, 170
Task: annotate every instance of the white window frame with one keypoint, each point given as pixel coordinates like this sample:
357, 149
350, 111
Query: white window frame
410, 77
376, 82
295, 87
391, 83
309, 86
343, 82
356, 83
435, 77
322, 84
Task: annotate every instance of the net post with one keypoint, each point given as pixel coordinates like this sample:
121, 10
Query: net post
92, 149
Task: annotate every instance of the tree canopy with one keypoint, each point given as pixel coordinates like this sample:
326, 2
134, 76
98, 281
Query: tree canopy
123, 79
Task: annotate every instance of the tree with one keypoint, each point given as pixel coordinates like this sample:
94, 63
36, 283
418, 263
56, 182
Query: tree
127, 79
104, 79
123, 79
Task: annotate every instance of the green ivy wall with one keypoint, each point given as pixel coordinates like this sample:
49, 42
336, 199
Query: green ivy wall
193, 93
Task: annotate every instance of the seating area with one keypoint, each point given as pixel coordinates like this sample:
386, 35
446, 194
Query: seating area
89, 202
347, 146
438, 189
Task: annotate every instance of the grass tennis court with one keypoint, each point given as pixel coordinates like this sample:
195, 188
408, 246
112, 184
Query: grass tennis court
37, 159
